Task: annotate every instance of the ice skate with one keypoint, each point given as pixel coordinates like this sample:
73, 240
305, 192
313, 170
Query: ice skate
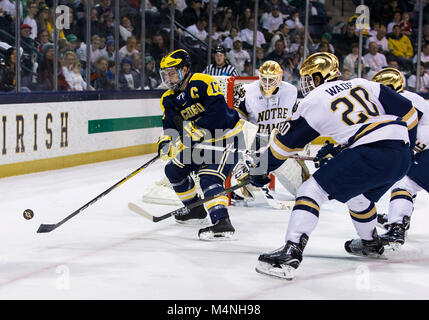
394, 238
196, 216
221, 230
382, 221
282, 262
366, 248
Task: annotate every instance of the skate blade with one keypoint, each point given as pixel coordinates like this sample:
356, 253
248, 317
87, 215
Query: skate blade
370, 256
285, 272
221, 236
194, 222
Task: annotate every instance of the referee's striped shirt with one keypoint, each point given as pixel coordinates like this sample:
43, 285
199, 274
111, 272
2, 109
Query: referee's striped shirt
226, 70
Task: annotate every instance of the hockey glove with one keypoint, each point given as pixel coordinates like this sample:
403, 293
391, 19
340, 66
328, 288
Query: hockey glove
327, 152
192, 133
167, 149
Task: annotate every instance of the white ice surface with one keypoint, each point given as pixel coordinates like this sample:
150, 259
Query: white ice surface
108, 252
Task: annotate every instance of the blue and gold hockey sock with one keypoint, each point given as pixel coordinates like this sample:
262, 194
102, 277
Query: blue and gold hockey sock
401, 204
217, 207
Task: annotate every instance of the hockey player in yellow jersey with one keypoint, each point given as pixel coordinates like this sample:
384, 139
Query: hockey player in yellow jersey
404, 191
194, 110
375, 125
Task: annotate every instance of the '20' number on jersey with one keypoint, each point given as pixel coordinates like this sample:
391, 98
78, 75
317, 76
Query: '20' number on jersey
369, 107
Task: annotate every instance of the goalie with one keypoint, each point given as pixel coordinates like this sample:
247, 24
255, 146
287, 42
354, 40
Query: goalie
268, 104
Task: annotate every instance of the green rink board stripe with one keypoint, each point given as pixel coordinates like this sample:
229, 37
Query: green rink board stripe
121, 124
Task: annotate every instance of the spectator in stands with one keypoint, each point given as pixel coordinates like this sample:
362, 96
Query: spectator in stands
50, 25
71, 72
375, 26
351, 61
343, 42
10, 7
109, 50
380, 39
104, 9
129, 49
198, 30
45, 72
63, 46
374, 60
424, 57
279, 53
400, 46
30, 19
95, 51
158, 48
107, 28
324, 45
423, 89
396, 21
291, 69
73, 41
136, 58
6, 24
281, 34
43, 17
216, 36
248, 69
151, 77
225, 20
221, 66
126, 29
28, 43
295, 45
272, 22
237, 56
425, 34
193, 13
227, 42
129, 79
243, 20
7, 71
246, 36
42, 39
405, 24
99, 77
294, 24
260, 58
74, 28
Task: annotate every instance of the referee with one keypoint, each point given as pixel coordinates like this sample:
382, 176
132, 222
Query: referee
221, 66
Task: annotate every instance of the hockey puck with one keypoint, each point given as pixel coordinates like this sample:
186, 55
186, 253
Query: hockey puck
28, 214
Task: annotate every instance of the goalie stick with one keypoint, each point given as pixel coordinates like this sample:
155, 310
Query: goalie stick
139, 210
44, 228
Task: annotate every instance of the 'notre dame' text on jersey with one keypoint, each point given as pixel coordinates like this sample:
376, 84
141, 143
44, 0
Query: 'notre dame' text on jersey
353, 113
268, 113
202, 102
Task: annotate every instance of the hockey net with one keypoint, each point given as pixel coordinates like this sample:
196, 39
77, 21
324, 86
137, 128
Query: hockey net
232, 87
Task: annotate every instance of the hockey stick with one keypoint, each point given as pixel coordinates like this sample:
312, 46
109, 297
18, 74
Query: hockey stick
137, 209
44, 228
247, 152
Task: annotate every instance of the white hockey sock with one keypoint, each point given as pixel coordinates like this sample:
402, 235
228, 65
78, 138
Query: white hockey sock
402, 200
363, 213
305, 213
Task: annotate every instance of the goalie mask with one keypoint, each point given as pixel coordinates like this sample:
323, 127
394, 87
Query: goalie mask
270, 77
171, 69
390, 77
324, 64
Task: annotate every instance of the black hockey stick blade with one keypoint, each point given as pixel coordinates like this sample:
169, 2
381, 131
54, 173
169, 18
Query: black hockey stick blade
139, 210
45, 228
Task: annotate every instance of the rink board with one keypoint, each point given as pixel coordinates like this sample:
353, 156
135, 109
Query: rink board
42, 136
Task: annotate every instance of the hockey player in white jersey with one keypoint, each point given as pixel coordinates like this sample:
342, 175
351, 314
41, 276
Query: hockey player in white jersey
377, 128
268, 103
404, 191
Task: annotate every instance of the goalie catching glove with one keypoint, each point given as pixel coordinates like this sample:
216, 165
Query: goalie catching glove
167, 149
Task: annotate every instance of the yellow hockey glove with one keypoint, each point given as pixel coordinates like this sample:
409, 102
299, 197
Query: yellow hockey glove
167, 149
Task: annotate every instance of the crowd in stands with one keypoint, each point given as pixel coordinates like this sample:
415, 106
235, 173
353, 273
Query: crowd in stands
391, 40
